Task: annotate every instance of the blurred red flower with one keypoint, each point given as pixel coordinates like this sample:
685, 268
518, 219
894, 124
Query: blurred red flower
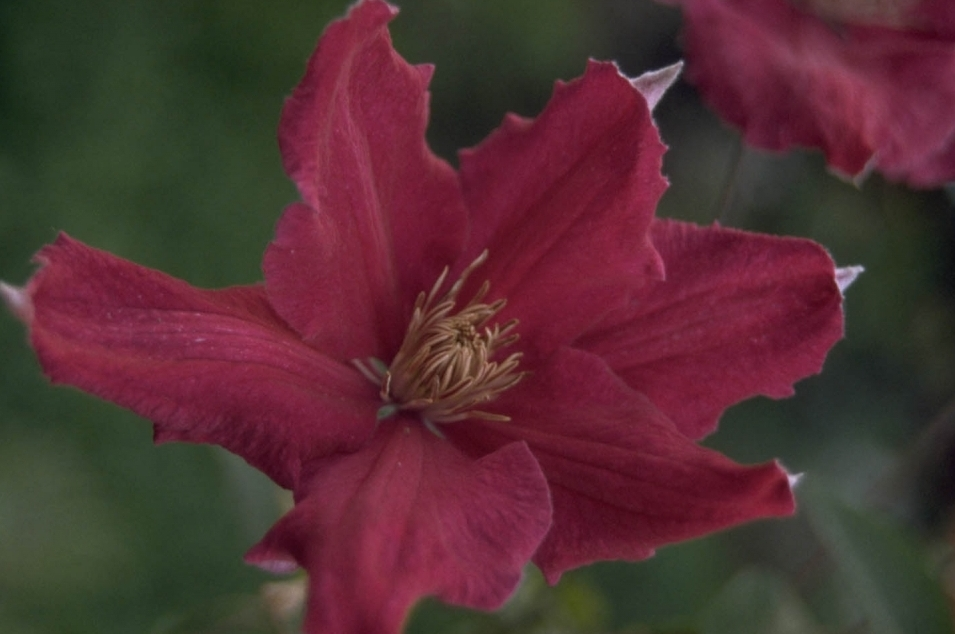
430, 451
870, 83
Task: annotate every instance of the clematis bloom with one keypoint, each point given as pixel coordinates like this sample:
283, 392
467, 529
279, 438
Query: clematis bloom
458, 372
869, 83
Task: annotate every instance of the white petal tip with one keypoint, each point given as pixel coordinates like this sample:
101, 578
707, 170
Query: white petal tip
18, 301
275, 566
654, 84
794, 479
845, 276
858, 179
867, 170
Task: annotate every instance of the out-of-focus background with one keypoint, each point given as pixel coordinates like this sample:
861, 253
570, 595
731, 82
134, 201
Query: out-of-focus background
148, 129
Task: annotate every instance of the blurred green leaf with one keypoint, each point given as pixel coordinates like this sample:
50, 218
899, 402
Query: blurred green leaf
758, 602
575, 606
666, 591
884, 572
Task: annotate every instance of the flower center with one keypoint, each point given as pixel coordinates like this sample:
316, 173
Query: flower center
443, 369
889, 13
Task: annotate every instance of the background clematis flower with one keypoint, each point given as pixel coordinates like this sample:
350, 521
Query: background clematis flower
869, 83
457, 373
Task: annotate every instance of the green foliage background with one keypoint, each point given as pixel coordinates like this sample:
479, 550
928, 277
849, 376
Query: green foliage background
147, 129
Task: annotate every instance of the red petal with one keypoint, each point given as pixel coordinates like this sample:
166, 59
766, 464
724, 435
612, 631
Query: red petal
409, 516
383, 215
864, 95
935, 16
204, 366
564, 203
623, 479
739, 314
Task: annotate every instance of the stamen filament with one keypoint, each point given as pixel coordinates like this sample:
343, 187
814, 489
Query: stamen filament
443, 368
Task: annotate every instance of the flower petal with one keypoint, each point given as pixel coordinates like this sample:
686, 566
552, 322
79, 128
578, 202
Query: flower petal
864, 95
623, 479
205, 366
935, 16
739, 314
407, 516
382, 214
563, 203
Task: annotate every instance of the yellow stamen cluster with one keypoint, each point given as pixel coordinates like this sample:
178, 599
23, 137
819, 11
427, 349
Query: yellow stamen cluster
443, 369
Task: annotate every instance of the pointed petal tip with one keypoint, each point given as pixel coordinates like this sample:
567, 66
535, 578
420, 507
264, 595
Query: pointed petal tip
18, 301
654, 84
852, 174
376, 5
794, 479
845, 276
272, 562
276, 566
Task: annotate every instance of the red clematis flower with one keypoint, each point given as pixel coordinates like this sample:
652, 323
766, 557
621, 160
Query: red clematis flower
458, 373
871, 84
